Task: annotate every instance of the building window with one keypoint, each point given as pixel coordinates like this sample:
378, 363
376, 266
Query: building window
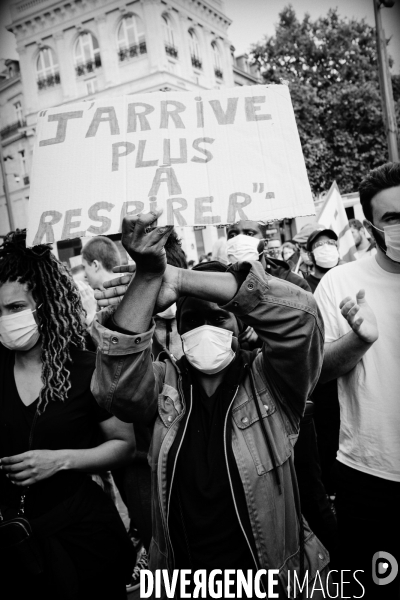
91, 85
47, 71
131, 39
217, 61
86, 54
194, 50
169, 37
18, 112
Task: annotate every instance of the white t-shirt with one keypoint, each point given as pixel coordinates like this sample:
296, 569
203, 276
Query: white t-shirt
365, 253
369, 395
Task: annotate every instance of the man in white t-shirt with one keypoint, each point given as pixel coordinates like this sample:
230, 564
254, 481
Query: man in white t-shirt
360, 304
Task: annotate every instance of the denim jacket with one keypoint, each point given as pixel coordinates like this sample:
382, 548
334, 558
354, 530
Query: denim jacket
134, 388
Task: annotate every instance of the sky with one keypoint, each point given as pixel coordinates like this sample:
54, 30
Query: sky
252, 19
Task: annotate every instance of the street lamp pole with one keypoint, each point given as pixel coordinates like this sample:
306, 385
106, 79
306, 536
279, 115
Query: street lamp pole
6, 191
389, 117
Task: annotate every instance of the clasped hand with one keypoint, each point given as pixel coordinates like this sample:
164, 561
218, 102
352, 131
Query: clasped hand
144, 245
32, 466
148, 252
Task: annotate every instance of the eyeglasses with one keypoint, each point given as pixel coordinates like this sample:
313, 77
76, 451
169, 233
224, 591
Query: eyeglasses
329, 242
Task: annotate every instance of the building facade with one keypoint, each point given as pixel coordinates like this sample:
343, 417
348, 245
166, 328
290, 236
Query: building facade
74, 50
15, 146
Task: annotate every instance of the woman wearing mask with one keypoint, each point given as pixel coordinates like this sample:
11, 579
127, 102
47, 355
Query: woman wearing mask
53, 435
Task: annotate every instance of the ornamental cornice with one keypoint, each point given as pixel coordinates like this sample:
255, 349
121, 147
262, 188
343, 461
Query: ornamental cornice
44, 15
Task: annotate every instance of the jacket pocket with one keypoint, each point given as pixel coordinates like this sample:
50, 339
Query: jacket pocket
169, 405
249, 427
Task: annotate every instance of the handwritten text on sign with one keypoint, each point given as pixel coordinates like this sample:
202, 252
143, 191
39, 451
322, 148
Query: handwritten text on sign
205, 158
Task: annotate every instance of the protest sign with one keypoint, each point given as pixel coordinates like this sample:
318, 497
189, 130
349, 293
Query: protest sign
205, 157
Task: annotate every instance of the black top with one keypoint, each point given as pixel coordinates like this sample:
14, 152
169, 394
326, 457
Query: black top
203, 523
282, 270
72, 424
312, 281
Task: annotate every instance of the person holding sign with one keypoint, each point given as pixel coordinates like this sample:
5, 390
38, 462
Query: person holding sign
53, 435
224, 420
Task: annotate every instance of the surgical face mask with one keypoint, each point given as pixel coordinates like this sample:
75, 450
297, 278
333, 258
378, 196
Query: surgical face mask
168, 313
242, 247
19, 331
208, 348
326, 256
392, 241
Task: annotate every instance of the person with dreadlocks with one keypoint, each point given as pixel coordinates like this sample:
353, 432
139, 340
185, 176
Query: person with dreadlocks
53, 435
224, 420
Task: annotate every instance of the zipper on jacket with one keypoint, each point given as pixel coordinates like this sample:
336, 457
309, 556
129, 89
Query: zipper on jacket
231, 486
176, 460
165, 520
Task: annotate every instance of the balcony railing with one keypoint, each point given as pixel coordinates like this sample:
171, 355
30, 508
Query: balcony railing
196, 62
132, 51
171, 50
218, 73
11, 129
88, 67
49, 81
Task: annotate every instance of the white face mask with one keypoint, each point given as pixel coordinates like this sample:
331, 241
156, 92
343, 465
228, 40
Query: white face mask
168, 313
392, 240
242, 247
326, 256
208, 348
19, 331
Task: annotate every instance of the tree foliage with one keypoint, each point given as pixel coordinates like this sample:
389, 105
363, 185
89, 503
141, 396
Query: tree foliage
332, 71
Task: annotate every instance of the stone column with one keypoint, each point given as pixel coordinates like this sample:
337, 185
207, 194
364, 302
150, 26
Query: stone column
28, 77
184, 51
227, 62
152, 11
66, 66
108, 52
206, 55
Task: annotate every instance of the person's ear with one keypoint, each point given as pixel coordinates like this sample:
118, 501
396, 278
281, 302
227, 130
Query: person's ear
96, 265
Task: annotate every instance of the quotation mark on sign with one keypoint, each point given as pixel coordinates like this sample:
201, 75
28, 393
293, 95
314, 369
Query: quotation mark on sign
43, 113
259, 187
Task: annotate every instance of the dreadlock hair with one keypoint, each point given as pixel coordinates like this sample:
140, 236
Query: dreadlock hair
60, 313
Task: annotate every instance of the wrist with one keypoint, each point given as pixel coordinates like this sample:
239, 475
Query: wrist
365, 340
144, 275
64, 460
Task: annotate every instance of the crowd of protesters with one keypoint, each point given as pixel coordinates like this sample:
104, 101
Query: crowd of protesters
242, 412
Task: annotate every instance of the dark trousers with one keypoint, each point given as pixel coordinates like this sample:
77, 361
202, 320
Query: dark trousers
368, 514
314, 502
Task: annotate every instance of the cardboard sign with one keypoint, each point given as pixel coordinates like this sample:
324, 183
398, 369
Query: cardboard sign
207, 158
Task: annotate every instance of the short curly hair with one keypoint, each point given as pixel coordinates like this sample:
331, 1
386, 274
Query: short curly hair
382, 178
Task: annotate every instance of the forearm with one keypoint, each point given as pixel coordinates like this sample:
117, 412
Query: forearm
135, 311
342, 355
109, 455
214, 287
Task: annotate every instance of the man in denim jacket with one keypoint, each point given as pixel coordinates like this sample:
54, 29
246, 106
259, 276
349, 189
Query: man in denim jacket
224, 420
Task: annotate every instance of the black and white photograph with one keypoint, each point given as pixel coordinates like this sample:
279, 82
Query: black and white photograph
199, 299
